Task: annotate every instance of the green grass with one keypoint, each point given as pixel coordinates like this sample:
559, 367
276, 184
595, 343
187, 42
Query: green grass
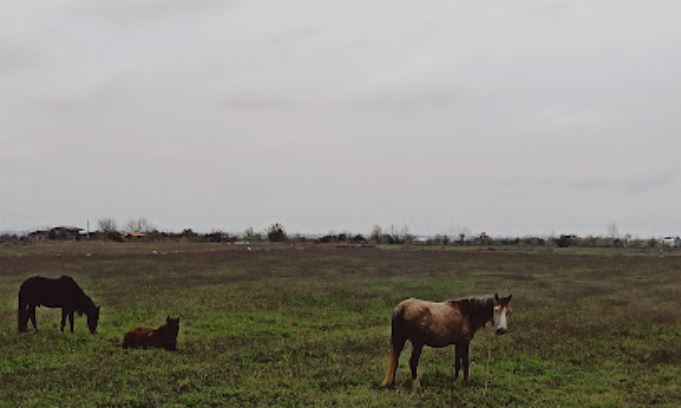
287, 326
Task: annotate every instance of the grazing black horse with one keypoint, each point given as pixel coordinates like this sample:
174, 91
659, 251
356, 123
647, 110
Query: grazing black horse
62, 292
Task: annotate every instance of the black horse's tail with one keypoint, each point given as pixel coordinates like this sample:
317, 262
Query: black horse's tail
22, 318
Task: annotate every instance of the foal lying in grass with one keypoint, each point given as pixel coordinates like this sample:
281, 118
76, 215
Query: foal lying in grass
163, 337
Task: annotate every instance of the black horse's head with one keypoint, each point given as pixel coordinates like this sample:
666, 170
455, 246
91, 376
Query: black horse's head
172, 325
171, 329
93, 319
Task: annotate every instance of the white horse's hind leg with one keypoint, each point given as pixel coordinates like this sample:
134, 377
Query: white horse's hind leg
465, 361
413, 364
457, 362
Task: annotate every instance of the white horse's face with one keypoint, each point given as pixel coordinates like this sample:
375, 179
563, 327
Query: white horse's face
501, 312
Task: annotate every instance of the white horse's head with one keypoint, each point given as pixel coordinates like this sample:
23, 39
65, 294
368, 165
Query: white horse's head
501, 312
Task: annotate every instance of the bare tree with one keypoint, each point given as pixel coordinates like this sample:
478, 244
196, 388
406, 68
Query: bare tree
445, 239
463, 233
451, 234
405, 235
250, 235
404, 231
376, 233
140, 224
107, 224
612, 230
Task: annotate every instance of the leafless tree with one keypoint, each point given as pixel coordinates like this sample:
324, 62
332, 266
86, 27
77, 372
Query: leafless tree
405, 235
376, 233
107, 224
451, 234
612, 230
463, 233
251, 236
140, 224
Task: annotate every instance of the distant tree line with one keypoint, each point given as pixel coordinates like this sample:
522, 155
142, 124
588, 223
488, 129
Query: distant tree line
141, 229
562, 241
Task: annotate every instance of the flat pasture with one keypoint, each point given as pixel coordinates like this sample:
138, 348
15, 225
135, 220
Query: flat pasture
309, 326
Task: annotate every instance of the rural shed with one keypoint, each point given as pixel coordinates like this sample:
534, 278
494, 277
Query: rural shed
64, 233
40, 235
133, 235
671, 242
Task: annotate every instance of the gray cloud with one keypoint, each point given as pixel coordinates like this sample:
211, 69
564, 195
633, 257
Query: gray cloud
636, 184
256, 102
535, 116
140, 11
15, 57
405, 101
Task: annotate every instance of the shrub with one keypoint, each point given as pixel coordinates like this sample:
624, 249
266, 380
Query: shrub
276, 233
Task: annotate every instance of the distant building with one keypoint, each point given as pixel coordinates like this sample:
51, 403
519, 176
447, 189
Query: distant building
566, 240
61, 233
422, 240
671, 242
359, 239
64, 233
133, 235
40, 235
105, 235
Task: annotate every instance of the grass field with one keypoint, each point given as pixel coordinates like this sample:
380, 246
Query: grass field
286, 326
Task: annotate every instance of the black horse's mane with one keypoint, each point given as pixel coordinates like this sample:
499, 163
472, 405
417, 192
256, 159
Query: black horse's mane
86, 304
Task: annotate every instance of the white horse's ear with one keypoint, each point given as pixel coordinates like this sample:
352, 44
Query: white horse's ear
509, 297
496, 297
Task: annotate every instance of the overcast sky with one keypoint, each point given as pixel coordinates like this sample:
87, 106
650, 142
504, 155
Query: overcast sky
506, 117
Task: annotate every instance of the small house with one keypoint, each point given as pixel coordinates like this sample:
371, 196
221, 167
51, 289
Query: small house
134, 235
63, 233
40, 235
671, 242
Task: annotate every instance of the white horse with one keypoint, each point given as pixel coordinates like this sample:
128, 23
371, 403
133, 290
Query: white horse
452, 322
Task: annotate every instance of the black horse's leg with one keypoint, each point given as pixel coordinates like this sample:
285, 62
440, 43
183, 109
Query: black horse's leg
22, 315
465, 361
31, 316
71, 320
63, 319
457, 361
414, 363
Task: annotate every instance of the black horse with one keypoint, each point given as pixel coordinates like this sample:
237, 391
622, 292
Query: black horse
62, 292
